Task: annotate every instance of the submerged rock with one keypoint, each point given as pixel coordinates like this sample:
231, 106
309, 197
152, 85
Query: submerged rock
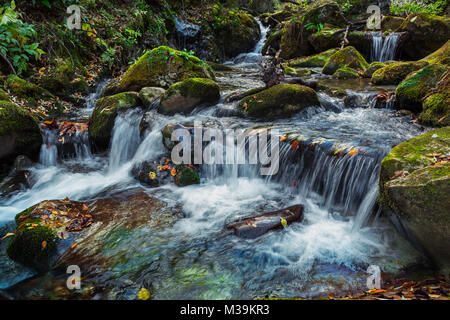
396, 72
411, 91
160, 67
436, 106
425, 33
105, 112
256, 226
415, 184
185, 96
19, 134
282, 100
347, 57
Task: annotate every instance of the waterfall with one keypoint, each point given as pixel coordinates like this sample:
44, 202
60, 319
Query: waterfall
384, 48
49, 150
125, 139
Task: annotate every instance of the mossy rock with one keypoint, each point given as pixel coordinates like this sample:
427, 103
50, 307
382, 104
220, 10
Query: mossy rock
102, 120
391, 23
24, 89
279, 101
186, 176
273, 42
374, 66
315, 61
219, 67
394, 73
294, 41
325, 11
4, 96
19, 134
442, 55
329, 38
345, 73
419, 198
160, 67
149, 94
411, 91
184, 96
347, 57
436, 106
273, 19
426, 33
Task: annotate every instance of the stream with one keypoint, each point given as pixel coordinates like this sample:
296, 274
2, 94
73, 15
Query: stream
341, 235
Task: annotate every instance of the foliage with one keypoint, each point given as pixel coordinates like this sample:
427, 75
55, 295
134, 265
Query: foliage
314, 25
407, 7
15, 36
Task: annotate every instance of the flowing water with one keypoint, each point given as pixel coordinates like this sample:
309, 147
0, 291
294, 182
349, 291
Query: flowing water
341, 234
384, 48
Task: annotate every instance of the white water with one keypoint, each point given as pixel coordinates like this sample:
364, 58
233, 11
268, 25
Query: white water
384, 48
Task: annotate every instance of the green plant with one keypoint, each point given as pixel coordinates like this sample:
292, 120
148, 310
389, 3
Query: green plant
314, 25
407, 7
15, 36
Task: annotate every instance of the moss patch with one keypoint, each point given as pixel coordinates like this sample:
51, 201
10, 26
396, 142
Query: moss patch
318, 60
347, 57
345, 73
186, 176
394, 73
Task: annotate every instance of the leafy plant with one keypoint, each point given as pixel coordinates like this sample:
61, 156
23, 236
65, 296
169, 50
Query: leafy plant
15, 35
407, 7
315, 25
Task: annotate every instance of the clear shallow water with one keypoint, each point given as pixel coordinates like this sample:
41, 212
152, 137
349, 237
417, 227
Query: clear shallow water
195, 258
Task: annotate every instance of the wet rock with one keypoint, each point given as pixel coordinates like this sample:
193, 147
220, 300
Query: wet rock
325, 11
256, 226
436, 106
318, 60
391, 23
186, 176
148, 121
272, 44
160, 67
102, 120
219, 67
425, 33
279, 101
148, 95
396, 72
345, 73
347, 57
414, 185
297, 72
273, 19
411, 91
185, 96
19, 134
442, 55
18, 181
329, 38
294, 41
374, 66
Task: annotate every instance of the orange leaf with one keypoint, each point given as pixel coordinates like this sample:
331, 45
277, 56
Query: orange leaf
353, 152
44, 244
73, 245
84, 207
295, 145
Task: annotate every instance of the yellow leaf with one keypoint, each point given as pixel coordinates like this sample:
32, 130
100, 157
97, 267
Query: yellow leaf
8, 235
144, 294
283, 222
152, 175
353, 152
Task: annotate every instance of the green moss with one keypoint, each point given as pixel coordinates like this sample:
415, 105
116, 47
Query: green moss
347, 57
22, 216
26, 246
442, 55
374, 66
160, 67
436, 106
345, 73
279, 100
396, 72
318, 60
24, 89
104, 115
3, 95
186, 176
391, 23
273, 42
412, 90
294, 41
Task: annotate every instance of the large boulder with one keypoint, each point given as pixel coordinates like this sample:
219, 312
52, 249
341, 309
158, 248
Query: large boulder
374, 66
391, 23
415, 184
160, 67
425, 33
184, 96
102, 120
149, 95
315, 61
19, 134
393, 74
436, 106
325, 11
329, 38
294, 41
347, 57
442, 55
411, 91
345, 73
279, 101
26, 90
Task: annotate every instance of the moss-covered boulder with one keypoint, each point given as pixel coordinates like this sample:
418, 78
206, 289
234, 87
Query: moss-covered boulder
279, 101
24, 89
396, 72
414, 185
442, 55
19, 134
160, 67
102, 120
294, 41
297, 72
411, 91
436, 106
273, 19
149, 94
391, 23
426, 33
374, 66
184, 96
186, 176
4, 96
325, 11
347, 57
329, 38
315, 61
345, 73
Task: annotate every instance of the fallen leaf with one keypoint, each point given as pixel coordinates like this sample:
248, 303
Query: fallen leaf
9, 234
44, 244
353, 152
144, 294
73, 245
442, 119
283, 222
295, 145
84, 207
